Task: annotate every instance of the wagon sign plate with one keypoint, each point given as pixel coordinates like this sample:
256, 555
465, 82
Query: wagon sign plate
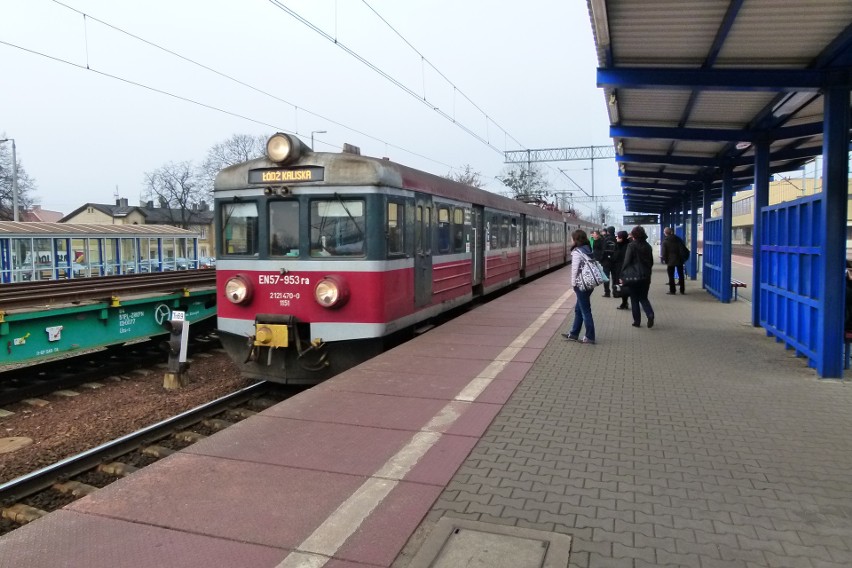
286, 175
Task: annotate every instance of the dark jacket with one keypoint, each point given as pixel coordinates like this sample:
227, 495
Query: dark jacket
597, 249
639, 253
608, 244
618, 259
670, 250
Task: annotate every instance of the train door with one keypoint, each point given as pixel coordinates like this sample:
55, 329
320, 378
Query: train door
422, 250
478, 245
523, 239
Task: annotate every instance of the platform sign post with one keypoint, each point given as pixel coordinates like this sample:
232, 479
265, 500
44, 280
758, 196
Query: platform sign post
177, 347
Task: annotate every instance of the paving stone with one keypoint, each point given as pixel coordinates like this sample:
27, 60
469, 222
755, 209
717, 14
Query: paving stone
703, 458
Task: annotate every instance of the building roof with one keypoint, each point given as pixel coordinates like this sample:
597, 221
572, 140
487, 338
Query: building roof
152, 215
693, 85
37, 214
80, 230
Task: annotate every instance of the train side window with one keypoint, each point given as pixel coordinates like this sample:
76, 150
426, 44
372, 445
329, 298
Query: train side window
240, 228
427, 230
443, 230
396, 228
513, 232
284, 228
418, 229
458, 229
504, 233
494, 231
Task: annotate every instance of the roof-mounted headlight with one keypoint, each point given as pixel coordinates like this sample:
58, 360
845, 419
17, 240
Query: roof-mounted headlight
283, 148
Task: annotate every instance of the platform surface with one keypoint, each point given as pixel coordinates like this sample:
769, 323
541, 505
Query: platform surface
700, 442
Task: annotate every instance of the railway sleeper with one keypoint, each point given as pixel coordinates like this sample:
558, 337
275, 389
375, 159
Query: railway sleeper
241, 413
22, 514
189, 437
157, 451
216, 424
75, 488
117, 469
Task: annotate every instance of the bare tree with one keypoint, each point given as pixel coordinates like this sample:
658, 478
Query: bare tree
26, 186
236, 149
527, 183
466, 175
177, 190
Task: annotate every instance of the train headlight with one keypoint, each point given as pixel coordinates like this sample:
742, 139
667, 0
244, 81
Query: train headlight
283, 148
238, 289
331, 292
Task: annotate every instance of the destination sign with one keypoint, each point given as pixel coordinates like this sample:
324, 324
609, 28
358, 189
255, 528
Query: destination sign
641, 219
287, 175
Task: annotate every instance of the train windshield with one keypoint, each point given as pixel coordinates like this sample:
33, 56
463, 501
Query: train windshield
239, 228
337, 227
284, 228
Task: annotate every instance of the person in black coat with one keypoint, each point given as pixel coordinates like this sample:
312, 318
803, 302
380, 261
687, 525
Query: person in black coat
673, 259
617, 260
638, 261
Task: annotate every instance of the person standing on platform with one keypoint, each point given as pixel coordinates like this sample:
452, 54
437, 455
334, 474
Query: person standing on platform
581, 251
636, 274
607, 250
672, 257
595, 236
617, 262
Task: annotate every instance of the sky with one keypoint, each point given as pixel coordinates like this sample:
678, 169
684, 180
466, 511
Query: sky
93, 108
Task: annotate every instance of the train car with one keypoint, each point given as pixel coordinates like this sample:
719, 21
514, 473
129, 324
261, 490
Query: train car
55, 251
322, 256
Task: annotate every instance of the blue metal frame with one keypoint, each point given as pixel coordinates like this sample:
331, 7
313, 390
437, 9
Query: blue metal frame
712, 269
790, 306
6, 260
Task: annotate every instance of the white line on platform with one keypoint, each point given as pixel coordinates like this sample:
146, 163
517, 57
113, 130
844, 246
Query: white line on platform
327, 539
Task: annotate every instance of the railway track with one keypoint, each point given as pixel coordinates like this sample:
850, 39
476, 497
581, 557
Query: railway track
31, 496
50, 293
33, 381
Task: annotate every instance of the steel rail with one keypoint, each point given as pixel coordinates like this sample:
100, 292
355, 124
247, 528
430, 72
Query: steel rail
42, 479
104, 288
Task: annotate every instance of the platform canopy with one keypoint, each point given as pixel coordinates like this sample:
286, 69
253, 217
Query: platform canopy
692, 85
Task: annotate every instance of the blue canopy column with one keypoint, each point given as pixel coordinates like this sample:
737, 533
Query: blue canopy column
831, 286
707, 202
727, 224
761, 200
692, 269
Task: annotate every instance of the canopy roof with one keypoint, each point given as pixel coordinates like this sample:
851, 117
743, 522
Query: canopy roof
692, 85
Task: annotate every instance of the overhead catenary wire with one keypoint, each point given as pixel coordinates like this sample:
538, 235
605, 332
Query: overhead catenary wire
262, 122
382, 73
447, 79
221, 74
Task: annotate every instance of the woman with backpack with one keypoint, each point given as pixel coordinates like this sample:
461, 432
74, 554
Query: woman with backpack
581, 252
605, 255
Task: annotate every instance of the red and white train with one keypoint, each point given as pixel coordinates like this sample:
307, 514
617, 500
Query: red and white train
323, 256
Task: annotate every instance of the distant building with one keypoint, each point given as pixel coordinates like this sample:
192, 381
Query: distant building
198, 219
781, 189
39, 215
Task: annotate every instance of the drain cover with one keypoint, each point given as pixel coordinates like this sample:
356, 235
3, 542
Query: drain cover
8, 445
457, 542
